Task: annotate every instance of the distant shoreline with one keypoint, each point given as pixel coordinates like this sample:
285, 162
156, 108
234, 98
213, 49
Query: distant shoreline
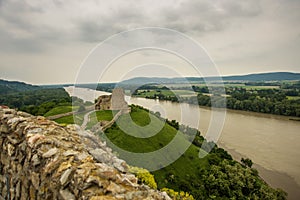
257, 114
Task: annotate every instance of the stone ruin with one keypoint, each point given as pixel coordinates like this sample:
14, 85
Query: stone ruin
39, 159
115, 101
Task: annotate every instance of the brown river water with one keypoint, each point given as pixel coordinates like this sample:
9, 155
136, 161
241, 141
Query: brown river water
271, 142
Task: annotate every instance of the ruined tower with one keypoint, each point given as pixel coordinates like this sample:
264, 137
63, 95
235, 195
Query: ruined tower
115, 101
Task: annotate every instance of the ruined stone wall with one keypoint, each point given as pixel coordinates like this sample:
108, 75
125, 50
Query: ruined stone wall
115, 101
103, 103
118, 99
40, 159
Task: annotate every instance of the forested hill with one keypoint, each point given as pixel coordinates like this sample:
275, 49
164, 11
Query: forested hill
7, 87
272, 76
36, 100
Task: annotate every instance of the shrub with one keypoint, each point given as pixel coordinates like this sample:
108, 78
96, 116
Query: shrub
144, 176
178, 195
247, 162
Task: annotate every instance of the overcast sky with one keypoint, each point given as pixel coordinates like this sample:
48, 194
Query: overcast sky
44, 41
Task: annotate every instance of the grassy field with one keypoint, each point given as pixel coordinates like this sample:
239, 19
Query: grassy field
144, 93
188, 164
293, 97
70, 119
99, 115
60, 110
94, 117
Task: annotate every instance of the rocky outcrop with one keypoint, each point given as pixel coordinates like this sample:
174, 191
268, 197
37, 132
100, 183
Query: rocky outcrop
40, 159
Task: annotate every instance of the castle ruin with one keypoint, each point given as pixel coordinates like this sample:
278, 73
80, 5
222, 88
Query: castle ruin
115, 101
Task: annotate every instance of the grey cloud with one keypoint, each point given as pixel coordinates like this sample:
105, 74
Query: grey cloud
24, 28
101, 26
185, 16
13, 45
231, 29
207, 16
18, 33
91, 31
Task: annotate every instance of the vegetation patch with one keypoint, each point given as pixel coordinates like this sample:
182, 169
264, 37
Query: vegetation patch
280, 98
137, 123
216, 176
70, 119
99, 115
144, 176
61, 110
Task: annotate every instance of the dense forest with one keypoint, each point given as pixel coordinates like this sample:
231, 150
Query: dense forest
273, 101
7, 87
38, 101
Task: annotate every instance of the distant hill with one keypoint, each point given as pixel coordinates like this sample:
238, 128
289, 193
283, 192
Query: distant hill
147, 80
7, 87
272, 76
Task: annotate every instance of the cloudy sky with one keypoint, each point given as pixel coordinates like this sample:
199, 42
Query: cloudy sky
44, 41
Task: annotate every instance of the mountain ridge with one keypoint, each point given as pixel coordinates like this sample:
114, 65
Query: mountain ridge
255, 77
15, 86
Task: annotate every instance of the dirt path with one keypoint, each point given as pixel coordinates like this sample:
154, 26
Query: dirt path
86, 119
90, 108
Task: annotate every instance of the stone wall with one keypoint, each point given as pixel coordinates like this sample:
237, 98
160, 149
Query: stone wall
40, 159
103, 102
118, 99
115, 101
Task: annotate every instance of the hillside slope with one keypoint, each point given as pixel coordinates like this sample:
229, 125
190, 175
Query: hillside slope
215, 175
15, 86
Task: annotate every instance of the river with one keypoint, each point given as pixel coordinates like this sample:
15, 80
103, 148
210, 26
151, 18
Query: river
272, 142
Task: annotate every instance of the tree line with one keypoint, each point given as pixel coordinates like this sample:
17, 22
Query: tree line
36, 102
271, 101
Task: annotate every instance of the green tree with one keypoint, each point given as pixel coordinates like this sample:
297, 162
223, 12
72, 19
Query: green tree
247, 162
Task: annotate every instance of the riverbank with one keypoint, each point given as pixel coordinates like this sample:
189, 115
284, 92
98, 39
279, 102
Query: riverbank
280, 180
271, 141
257, 114
273, 178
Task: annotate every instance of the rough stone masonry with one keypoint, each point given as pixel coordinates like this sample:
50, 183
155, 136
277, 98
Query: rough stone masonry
115, 101
42, 160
